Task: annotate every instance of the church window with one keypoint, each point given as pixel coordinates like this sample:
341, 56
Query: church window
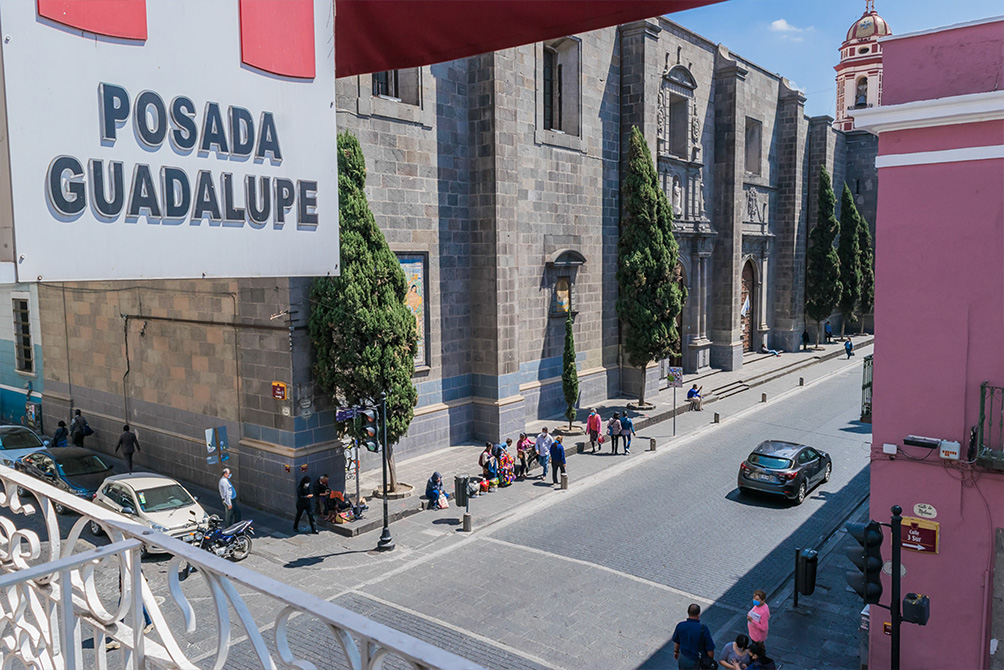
863, 50
560, 88
22, 336
754, 141
399, 85
677, 126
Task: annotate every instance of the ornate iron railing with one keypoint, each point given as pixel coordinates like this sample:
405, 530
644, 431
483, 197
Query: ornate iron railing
53, 593
990, 430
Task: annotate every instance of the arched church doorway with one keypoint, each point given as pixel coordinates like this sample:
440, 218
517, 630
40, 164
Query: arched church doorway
747, 301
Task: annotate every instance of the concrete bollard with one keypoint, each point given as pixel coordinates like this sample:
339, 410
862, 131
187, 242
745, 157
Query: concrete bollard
801, 381
564, 481
718, 419
763, 397
467, 523
580, 447
651, 444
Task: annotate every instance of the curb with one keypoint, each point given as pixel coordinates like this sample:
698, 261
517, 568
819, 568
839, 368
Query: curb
352, 528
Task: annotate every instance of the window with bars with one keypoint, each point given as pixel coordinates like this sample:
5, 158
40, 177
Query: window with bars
22, 336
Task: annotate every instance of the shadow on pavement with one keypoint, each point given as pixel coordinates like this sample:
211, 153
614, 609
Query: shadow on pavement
758, 499
770, 574
858, 427
308, 561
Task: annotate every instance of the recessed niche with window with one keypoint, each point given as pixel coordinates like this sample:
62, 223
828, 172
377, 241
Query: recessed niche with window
559, 100
24, 352
754, 142
562, 268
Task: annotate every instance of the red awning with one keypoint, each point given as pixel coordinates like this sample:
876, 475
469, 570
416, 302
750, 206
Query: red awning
378, 35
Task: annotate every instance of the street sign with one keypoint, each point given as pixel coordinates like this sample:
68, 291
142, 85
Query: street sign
675, 377
920, 535
345, 413
279, 390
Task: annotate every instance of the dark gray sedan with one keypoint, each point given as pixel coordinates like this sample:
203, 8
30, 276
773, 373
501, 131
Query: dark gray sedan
74, 469
784, 468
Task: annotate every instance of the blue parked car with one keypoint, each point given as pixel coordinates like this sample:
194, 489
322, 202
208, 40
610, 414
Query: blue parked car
18, 441
73, 469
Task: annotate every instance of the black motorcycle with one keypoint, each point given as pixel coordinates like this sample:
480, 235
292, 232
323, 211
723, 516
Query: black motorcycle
233, 542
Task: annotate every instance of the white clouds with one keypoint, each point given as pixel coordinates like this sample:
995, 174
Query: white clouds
787, 31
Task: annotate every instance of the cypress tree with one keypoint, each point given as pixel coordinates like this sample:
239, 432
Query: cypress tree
569, 375
867, 298
364, 335
850, 258
647, 253
822, 265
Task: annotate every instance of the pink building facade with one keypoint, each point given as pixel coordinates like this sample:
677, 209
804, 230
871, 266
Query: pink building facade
939, 307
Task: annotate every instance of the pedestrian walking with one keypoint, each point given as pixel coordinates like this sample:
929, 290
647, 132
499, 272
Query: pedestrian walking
627, 430
79, 429
849, 347
228, 494
758, 618
692, 640
805, 340
303, 503
543, 445
614, 431
527, 455
61, 437
129, 445
829, 332
557, 459
593, 427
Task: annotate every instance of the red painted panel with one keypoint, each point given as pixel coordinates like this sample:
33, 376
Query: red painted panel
277, 36
114, 18
378, 35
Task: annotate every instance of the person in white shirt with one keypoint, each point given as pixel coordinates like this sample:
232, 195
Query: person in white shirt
228, 494
544, 450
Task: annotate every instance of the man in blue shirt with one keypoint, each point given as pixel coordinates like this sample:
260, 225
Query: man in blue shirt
695, 398
691, 640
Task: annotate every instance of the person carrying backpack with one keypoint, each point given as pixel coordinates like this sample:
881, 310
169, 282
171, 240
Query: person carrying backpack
627, 430
79, 429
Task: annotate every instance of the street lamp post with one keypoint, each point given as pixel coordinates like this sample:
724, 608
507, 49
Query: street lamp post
386, 542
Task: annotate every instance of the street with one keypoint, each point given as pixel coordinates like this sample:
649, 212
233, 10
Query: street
596, 576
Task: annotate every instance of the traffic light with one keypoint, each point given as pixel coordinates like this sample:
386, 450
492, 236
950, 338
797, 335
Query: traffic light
369, 438
867, 583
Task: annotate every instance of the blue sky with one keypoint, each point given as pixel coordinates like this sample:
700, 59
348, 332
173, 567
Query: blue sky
799, 39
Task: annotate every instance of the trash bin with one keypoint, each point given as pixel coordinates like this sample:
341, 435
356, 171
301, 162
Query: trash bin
460, 489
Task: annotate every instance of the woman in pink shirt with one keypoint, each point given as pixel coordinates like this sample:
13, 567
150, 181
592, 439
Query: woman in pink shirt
593, 427
758, 618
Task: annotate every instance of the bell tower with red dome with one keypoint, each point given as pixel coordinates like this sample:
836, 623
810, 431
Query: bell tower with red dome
859, 73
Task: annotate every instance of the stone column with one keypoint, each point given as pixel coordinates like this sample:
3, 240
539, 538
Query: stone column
790, 227
725, 333
499, 409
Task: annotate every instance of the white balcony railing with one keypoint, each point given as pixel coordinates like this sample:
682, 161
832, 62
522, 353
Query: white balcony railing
53, 595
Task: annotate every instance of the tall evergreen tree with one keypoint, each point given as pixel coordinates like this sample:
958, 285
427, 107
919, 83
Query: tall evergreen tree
866, 300
822, 265
569, 375
647, 253
850, 258
364, 335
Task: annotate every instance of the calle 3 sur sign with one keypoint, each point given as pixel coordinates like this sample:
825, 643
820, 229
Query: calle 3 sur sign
920, 535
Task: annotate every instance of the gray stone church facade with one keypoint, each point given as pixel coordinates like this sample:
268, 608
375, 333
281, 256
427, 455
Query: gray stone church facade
496, 179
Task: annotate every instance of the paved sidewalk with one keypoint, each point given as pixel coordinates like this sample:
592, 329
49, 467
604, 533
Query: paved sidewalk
822, 632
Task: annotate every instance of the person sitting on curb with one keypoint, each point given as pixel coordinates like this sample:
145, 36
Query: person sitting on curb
433, 489
759, 658
765, 350
695, 398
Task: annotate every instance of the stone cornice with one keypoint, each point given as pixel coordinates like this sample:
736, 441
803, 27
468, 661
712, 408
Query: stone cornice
971, 108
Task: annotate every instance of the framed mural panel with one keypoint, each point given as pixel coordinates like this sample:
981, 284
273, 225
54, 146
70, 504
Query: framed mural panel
416, 272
